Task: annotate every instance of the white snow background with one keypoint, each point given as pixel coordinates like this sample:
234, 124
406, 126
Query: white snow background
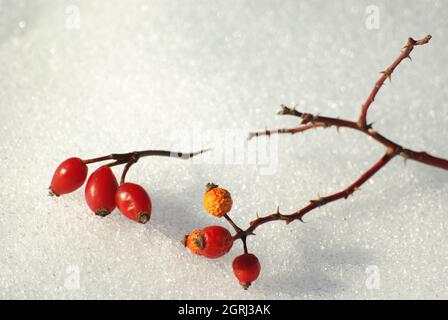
88, 78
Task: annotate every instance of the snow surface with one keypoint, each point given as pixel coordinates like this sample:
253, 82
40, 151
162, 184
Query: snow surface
88, 78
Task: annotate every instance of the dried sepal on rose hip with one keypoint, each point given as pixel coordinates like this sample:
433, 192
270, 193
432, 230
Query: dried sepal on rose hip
100, 191
246, 269
68, 177
217, 201
134, 202
211, 242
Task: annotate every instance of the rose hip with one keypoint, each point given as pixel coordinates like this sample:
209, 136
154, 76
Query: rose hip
246, 268
133, 202
100, 191
69, 176
211, 242
217, 201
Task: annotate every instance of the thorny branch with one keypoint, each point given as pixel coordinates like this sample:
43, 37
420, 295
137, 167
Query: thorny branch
311, 121
387, 74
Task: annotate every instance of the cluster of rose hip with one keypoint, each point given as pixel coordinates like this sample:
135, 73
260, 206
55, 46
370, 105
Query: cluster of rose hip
215, 241
103, 194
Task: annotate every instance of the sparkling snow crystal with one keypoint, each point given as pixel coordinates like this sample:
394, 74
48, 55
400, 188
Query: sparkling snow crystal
88, 78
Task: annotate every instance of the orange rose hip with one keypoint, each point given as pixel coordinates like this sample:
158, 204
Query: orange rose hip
211, 242
217, 201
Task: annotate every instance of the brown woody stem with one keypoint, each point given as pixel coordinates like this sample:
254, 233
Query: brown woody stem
325, 122
131, 158
128, 165
233, 224
125, 157
239, 231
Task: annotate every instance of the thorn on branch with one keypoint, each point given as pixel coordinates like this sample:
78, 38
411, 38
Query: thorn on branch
388, 73
405, 156
297, 218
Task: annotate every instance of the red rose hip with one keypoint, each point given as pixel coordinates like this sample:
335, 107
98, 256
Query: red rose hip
211, 242
133, 202
100, 191
69, 176
246, 268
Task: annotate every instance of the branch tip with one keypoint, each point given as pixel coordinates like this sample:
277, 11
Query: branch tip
289, 111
